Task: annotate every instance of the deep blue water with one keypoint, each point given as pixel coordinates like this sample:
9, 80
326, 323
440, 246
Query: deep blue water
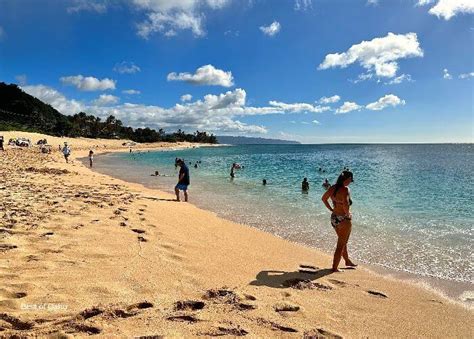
413, 204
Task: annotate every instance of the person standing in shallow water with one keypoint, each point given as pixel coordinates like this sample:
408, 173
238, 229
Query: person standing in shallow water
183, 180
91, 157
341, 217
305, 185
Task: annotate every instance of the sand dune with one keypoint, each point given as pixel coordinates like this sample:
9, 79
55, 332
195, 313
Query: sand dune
82, 253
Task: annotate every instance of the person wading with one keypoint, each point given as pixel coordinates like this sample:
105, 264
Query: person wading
341, 217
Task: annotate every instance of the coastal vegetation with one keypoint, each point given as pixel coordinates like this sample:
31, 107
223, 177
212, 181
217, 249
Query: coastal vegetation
21, 111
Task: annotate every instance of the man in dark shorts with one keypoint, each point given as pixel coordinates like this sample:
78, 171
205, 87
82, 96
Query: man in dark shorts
183, 180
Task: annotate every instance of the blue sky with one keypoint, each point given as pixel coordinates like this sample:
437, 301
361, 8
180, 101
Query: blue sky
390, 70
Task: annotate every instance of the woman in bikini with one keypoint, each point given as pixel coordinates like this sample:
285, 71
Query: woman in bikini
341, 217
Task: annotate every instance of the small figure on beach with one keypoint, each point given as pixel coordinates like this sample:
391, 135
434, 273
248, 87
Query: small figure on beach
156, 174
183, 180
264, 182
195, 165
341, 217
232, 174
1, 143
305, 185
66, 152
91, 157
326, 184
130, 150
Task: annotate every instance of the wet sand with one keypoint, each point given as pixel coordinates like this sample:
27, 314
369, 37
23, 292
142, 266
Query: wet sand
83, 253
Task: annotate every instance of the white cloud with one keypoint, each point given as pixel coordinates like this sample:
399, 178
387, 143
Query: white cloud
131, 91
330, 100
83, 83
446, 74
385, 101
125, 67
316, 122
303, 5
298, 107
186, 97
22, 79
205, 75
170, 16
87, 5
347, 107
379, 55
55, 99
447, 9
106, 100
466, 75
272, 29
400, 79
372, 2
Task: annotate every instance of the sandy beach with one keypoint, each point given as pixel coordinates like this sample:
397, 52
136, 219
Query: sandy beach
83, 253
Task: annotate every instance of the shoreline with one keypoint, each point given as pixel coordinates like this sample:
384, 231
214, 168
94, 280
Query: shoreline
128, 260
448, 289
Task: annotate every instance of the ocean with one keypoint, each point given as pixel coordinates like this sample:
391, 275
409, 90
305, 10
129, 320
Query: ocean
412, 204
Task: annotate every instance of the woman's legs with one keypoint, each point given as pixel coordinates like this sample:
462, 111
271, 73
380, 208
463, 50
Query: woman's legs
343, 231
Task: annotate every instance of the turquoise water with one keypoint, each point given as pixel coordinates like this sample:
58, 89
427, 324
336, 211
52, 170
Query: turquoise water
412, 211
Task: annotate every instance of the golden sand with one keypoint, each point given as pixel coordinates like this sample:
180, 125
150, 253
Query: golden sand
83, 253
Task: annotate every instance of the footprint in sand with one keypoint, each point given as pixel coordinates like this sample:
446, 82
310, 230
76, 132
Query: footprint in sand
303, 284
230, 331
184, 305
377, 294
183, 317
285, 307
141, 239
8, 294
339, 283
137, 230
15, 323
318, 333
276, 326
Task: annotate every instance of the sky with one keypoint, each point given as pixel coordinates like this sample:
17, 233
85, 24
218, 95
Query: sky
315, 71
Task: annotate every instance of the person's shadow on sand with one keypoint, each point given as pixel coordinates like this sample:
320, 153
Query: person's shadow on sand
282, 279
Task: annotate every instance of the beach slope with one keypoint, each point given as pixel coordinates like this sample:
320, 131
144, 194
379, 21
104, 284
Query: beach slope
83, 253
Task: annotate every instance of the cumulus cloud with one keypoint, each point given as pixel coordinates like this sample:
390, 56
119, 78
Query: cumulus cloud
400, 79
379, 55
106, 100
316, 122
272, 29
83, 83
385, 101
221, 113
303, 5
372, 2
55, 99
205, 75
446, 74
330, 100
347, 107
466, 75
131, 91
125, 67
447, 9
299, 107
88, 6
186, 97
170, 16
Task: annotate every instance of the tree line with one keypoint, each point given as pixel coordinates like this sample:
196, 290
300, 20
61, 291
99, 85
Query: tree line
21, 111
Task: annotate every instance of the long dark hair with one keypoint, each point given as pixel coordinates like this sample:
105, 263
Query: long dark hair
340, 180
